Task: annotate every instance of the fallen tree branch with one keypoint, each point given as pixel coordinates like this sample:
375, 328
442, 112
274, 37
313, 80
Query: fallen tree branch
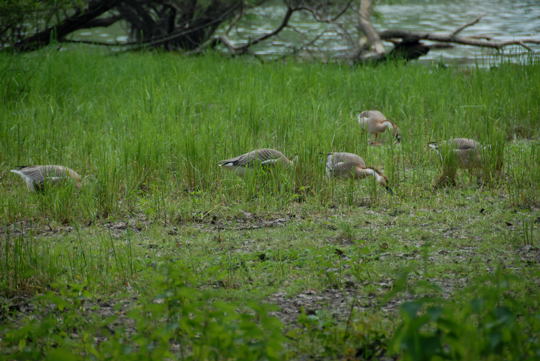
447, 38
68, 25
474, 40
408, 45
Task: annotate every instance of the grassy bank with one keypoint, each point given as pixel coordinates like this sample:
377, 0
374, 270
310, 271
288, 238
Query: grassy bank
163, 253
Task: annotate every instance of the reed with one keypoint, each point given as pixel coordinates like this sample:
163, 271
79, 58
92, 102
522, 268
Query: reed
141, 123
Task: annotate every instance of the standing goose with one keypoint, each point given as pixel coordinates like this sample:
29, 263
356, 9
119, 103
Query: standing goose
376, 123
457, 153
37, 176
349, 165
255, 158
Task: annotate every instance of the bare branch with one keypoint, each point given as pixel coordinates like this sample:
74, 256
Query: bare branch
236, 19
344, 33
485, 37
526, 46
331, 20
461, 28
239, 50
281, 26
296, 50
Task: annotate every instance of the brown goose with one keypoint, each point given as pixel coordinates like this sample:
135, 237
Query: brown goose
255, 158
349, 165
376, 123
37, 176
461, 153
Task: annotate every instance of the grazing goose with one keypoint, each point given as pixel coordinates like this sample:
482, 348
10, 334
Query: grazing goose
376, 123
349, 165
457, 153
258, 157
37, 176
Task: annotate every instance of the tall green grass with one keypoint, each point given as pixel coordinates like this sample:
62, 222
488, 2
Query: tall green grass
149, 128
30, 266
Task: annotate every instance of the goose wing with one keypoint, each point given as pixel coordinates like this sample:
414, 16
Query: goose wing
33, 174
465, 143
254, 158
342, 169
344, 157
341, 164
39, 173
373, 115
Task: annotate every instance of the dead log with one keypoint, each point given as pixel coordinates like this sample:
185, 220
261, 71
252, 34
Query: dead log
449, 38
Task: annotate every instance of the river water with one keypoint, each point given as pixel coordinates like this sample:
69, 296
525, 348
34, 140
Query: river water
502, 20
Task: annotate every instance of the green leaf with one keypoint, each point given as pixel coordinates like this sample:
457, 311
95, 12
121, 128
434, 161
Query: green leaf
61, 355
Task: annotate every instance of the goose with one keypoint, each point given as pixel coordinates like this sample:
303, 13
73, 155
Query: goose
350, 165
376, 123
457, 153
36, 176
259, 157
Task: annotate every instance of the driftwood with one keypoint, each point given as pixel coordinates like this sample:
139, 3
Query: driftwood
408, 45
484, 42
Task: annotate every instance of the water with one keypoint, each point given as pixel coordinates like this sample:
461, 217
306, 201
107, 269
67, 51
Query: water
503, 20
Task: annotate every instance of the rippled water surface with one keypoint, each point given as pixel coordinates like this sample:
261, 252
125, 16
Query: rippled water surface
502, 20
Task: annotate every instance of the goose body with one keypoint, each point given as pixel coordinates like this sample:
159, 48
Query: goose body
350, 165
374, 122
256, 158
458, 153
467, 152
37, 176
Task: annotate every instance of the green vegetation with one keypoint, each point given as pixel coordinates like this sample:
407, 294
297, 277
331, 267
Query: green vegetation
163, 255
